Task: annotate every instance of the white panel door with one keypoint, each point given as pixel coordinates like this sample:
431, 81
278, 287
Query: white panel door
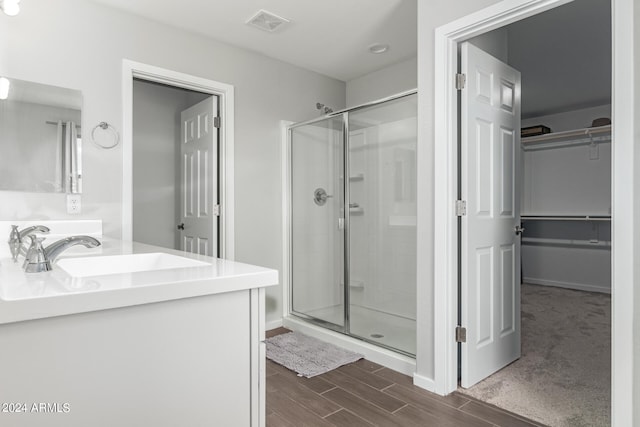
490, 184
198, 226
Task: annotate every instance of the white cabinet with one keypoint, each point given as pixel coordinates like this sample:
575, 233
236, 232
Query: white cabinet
186, 362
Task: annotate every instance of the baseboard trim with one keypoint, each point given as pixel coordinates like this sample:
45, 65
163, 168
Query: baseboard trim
567, 285
424, 382
273, 324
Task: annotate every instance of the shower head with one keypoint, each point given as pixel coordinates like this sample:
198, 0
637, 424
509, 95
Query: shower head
323, 108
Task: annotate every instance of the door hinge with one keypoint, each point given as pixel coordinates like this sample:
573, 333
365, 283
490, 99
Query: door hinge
461, 80
216, 210
461, 207
461, 334
216, 122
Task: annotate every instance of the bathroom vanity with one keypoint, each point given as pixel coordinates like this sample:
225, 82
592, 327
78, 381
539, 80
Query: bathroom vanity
132, 335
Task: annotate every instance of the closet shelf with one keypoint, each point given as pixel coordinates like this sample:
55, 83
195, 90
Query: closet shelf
565, 217
587, 136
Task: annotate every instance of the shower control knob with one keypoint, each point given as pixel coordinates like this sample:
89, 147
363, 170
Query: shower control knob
320, 196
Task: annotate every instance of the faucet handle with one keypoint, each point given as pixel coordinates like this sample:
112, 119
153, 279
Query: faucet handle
36, 258
14, 235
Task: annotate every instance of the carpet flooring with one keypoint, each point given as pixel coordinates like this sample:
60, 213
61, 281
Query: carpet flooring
564, 375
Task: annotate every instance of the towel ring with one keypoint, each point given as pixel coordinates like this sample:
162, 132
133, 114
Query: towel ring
112, 131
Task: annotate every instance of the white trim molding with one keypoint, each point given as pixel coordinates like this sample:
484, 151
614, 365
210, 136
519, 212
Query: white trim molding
286, 215
225, 92
625, 216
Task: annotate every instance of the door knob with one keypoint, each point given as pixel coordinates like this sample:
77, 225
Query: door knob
180, 226
519, 230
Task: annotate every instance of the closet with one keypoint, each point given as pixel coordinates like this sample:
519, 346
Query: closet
566, 203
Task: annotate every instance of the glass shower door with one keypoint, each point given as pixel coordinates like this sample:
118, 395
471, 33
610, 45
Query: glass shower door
381, 154
317, 216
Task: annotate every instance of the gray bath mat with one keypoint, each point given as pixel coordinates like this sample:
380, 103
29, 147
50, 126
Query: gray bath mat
306, 355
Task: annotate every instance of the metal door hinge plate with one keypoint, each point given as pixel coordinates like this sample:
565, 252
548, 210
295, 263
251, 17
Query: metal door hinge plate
461, 80
216, 122
216, 210
461, 334
461, 207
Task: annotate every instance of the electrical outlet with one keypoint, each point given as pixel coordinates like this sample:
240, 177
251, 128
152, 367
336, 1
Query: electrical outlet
74, 203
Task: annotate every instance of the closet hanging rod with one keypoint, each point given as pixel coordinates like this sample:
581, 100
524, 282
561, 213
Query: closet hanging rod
565, 218
602, 130
586, 136
567, 242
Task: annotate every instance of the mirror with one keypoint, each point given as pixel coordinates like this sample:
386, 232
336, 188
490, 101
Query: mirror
40, 138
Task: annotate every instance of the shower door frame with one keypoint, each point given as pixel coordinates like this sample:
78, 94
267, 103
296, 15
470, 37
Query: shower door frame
287, 282
345, 231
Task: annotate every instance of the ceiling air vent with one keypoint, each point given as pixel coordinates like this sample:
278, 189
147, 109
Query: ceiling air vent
267, 21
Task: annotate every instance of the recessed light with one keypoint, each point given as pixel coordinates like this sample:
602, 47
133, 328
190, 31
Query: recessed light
378, 48
10, 7
4, 87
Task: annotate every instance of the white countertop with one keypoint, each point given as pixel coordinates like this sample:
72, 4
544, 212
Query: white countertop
27, 296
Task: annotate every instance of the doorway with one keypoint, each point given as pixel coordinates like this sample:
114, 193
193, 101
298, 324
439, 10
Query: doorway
446, 269
173, 189
221, 98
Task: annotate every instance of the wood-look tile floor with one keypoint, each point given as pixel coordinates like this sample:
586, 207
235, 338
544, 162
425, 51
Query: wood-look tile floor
367, 394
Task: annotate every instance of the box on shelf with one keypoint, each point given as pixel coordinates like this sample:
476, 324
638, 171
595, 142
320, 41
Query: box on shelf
534, 131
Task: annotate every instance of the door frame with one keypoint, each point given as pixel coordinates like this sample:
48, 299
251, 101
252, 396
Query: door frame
446, 263
136, 70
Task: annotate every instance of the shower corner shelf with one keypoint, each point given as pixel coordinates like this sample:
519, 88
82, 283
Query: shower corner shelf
354, 284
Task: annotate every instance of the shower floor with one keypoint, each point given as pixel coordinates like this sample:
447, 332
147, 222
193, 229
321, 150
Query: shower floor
375, 326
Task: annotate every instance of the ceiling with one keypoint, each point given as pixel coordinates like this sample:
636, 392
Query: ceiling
330, 37
564, 56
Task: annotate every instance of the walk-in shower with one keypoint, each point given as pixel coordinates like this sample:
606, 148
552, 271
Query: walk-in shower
352, 222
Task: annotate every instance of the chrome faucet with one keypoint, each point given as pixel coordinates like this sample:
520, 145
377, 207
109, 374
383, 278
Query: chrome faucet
39, 259
17, 236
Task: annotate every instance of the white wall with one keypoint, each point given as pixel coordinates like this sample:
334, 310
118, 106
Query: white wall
570, 120
630, 26
379, 84
81, 45
495, 43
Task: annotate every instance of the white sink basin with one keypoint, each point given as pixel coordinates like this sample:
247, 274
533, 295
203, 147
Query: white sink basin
117, 264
